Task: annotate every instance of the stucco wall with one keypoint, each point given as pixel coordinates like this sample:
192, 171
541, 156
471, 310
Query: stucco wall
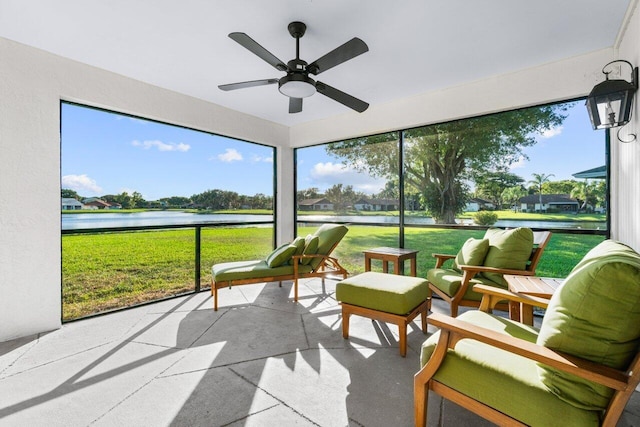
32, 83
625, 158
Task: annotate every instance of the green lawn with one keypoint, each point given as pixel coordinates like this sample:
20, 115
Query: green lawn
111, 270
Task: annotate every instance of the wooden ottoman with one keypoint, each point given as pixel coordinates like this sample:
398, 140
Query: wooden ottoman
384, 297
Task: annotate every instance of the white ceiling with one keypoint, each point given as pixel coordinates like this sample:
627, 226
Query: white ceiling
415, 46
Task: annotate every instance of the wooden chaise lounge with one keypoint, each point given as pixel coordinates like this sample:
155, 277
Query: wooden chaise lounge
312, 260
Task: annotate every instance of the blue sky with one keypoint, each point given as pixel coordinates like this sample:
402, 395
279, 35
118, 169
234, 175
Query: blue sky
107, 153
562, 151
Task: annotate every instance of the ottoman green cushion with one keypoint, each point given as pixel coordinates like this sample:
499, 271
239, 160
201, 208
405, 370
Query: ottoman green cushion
488, 374
383, 292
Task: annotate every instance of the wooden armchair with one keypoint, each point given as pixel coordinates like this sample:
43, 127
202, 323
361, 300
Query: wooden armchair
455, 285
579, 369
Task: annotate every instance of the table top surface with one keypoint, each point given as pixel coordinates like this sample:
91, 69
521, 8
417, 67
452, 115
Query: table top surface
533, 285
390, 251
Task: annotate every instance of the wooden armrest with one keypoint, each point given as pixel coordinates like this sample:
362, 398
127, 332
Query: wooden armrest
441, 258
586, 369
483, 269
498, 294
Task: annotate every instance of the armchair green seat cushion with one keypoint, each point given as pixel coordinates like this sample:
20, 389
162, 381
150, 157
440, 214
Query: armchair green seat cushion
484, 261
504, 381
449, 281
579, 368
600, 297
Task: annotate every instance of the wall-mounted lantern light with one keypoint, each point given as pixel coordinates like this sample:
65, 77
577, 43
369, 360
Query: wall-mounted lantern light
609, 103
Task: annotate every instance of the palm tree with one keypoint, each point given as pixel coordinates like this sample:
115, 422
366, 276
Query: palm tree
538, 180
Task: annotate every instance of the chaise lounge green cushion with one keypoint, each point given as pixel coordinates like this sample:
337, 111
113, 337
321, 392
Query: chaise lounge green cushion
488, 374
281, 255
299, 243
383, 292
310, 247
252, 270
328, 236
600, 297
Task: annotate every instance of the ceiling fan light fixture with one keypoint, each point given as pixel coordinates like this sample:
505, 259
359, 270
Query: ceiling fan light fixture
297, 86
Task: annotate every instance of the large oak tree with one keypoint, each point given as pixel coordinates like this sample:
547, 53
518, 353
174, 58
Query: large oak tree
438, 159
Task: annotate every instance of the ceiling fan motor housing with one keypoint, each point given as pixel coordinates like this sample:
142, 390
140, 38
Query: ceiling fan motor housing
297, 85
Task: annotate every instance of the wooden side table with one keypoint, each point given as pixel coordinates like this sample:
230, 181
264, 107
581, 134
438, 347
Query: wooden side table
543, 287
395, 255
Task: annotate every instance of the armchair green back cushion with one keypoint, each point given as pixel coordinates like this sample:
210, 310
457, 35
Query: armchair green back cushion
507, 249
472, 252
499, 248
600, 298
594, 315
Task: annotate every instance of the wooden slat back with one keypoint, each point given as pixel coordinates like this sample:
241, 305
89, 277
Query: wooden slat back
540, 240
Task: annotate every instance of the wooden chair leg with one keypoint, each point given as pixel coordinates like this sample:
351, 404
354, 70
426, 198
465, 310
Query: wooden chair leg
402, 326
423, 317
214, 293
420, 401
345, 323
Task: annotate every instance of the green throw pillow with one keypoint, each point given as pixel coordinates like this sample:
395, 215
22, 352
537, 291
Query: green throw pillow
472, 252
281, 255
299, 243
310, 248
594, 315
507, 249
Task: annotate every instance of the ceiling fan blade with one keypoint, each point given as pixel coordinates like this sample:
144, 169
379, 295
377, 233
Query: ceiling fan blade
343, 98
295, 105
252, 83
253, 46
347, 51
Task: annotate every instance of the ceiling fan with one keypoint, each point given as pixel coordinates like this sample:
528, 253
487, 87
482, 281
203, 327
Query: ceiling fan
297, 84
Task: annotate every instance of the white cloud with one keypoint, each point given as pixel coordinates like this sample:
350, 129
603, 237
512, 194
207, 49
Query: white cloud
230, 155
257, 159
550, 133
162, 146
81, 183
328, 174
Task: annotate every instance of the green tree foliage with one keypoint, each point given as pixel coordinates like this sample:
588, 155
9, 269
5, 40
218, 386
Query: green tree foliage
69, 194
438, 158
485, 218
512, 195
491, 185
589, 194
341, 197
537, 183
309, 193
559, 187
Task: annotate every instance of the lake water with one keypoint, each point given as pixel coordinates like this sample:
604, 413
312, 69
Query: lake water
109, 220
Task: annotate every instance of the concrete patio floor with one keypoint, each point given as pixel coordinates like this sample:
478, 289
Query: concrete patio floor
261, 360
